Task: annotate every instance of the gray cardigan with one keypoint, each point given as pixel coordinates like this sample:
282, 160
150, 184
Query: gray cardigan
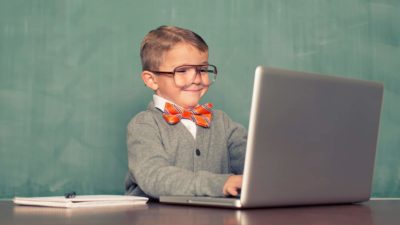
165, 159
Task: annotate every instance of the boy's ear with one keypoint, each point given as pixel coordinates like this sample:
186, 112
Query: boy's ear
149, 80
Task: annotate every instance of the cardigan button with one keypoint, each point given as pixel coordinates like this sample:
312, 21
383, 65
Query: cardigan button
198, 152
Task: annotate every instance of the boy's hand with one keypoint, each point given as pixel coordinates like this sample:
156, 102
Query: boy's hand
233, 185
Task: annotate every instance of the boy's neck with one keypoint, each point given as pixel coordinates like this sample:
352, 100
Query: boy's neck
159, 102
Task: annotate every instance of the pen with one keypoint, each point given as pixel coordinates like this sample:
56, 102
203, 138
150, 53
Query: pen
70, 194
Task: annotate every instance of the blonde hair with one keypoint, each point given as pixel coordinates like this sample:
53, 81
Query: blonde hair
159, 41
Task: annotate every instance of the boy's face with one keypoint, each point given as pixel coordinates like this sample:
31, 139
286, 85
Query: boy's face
181, 54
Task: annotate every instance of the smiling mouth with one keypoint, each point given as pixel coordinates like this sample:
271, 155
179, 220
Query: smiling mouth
195, 87
196, 90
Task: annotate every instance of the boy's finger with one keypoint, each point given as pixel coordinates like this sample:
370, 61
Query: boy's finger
233, 191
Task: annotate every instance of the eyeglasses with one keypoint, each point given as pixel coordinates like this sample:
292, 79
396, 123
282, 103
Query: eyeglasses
186, 74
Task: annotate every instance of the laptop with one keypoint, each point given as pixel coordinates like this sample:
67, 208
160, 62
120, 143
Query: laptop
312, 140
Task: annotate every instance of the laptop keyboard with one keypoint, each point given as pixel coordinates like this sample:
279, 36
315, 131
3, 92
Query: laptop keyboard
235, 197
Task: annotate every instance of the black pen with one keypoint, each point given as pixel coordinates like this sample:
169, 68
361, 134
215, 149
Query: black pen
70, 194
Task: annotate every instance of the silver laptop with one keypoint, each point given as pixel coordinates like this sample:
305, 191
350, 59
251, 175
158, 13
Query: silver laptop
312, 140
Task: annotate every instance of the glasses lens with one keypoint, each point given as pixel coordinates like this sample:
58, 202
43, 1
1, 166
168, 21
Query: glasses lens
186, 75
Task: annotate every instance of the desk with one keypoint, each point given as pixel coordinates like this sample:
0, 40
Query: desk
373, 212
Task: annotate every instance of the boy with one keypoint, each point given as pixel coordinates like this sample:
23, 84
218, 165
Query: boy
176, 146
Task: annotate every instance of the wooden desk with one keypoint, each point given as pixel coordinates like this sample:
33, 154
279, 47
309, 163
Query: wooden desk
372, 212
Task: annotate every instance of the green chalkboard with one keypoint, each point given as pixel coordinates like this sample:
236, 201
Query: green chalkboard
69, 76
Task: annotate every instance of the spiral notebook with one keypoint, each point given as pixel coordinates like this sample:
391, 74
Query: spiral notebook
80, 201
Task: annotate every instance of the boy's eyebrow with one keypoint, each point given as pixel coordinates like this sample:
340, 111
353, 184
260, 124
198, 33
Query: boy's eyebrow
188, 64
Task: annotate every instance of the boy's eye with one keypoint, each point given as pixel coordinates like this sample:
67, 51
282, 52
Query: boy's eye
181, 70
203, 69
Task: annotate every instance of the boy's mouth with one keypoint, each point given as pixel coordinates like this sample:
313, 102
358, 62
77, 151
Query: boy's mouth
194, 89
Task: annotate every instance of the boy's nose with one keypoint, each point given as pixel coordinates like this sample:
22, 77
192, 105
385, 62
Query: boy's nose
197, 78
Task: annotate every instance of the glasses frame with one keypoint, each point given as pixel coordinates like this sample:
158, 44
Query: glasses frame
172, 73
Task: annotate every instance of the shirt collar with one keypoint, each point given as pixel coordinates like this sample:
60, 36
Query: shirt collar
159, 102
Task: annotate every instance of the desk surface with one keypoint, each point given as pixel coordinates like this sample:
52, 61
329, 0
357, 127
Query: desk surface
373, 212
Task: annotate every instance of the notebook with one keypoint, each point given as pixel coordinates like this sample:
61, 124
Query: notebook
81, 201
312, 140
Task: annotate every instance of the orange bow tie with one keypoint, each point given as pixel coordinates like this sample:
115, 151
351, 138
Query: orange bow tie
201, 114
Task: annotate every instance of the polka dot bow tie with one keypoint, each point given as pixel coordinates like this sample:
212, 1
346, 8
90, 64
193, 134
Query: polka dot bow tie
201, 114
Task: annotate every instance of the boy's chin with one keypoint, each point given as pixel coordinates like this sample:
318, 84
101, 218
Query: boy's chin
191, 101
190, 104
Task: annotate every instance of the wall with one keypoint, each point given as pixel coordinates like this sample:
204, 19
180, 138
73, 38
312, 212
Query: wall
69, 76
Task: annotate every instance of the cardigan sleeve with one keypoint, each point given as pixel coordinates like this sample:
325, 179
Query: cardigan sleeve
236, 136
153, 172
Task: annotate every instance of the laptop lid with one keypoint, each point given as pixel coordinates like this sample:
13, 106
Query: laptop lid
312, 139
